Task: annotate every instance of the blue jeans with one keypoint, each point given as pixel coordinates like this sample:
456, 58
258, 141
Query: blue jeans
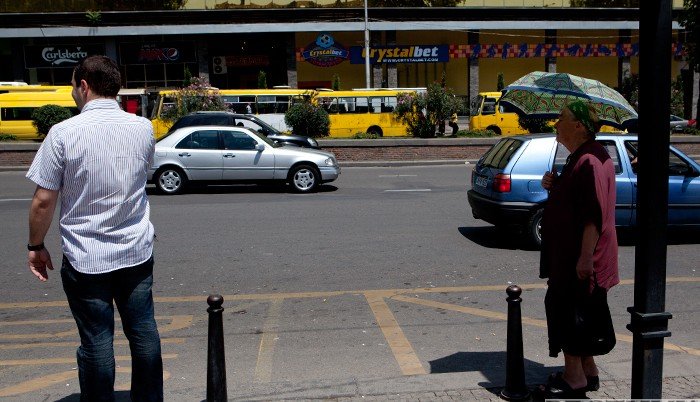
90, 299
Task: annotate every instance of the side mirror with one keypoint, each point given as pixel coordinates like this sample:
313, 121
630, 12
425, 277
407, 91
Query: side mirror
259, 147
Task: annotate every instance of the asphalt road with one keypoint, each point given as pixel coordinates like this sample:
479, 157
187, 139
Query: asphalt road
381, 281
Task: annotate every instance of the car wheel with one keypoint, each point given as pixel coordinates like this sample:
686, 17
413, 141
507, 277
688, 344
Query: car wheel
170, 180
495, 129
304, 178
534, 228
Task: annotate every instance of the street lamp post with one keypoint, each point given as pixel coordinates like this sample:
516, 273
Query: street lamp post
367, 81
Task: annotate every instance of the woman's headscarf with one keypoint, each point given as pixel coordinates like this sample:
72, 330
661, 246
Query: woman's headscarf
585, 114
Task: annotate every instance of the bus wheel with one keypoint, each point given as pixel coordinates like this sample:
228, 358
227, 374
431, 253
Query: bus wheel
495, 129
375, 130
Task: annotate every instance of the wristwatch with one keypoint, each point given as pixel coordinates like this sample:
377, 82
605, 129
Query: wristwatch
38, 247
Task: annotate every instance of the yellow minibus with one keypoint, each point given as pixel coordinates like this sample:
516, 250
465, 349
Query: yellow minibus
269, 105
16, 110
35, 88
487, 113
362, 111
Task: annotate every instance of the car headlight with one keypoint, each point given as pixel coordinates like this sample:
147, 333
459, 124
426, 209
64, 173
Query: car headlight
330, 162
313, 142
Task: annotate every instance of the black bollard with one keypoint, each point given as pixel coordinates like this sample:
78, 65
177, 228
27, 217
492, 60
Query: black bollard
515, 389
216, 358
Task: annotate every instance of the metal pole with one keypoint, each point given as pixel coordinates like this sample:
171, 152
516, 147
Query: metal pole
216, 358
368, 83
649, 321
515, 389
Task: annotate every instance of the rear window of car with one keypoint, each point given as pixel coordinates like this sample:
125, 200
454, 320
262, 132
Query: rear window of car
499, 156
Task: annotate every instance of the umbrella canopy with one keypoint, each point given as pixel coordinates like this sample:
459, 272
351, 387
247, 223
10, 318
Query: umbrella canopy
540, 94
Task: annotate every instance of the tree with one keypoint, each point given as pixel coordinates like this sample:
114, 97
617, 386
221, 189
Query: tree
187, 81
689, 20
677, 104
500, 84
45, 117
262, 80
535, 124
198, 96
422, 112
336, 82
308, 118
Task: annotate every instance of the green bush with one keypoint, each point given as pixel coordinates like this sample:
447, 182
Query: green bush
44, 117
476, 133
535, 124
307, 118
365, 136
8, 137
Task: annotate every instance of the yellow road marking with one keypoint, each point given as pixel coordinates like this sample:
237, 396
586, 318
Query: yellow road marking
64, 360
273, 296
525, 320
47, 381
403, 351
15, 346
268, 341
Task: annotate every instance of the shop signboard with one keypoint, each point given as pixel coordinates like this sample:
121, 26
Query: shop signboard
325, 52
51, 56
401, 54
157, 53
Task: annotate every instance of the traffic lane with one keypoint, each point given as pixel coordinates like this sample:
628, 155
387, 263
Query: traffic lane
15, 187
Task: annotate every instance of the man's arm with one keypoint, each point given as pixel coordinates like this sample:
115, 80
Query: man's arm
40, 217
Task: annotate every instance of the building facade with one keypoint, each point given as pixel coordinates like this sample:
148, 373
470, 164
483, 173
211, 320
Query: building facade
466, 46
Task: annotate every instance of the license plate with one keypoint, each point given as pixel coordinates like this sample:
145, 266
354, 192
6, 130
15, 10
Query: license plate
481, 181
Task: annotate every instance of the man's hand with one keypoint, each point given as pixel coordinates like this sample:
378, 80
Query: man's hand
38, 262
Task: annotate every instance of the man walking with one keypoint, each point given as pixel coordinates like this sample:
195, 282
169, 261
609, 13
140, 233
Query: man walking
96, 163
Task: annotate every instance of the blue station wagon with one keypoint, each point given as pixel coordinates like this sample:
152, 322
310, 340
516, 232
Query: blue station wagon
507, 190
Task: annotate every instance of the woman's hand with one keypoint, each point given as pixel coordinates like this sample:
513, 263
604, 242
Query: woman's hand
548, 180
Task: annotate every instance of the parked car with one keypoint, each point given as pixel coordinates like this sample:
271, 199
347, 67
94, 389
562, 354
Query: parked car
218, 154
242, 120
507, 191
679, 124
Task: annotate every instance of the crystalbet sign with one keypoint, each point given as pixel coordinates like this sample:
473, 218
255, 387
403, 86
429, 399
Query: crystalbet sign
401, 54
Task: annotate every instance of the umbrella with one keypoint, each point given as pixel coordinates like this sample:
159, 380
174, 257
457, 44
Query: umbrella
540, 94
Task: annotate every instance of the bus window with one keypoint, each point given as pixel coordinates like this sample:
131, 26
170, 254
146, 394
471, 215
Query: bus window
361, 105
346, 105
273, 104
238, 104
17, 113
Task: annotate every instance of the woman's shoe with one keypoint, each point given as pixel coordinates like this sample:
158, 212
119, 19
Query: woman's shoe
592, 381
558, 388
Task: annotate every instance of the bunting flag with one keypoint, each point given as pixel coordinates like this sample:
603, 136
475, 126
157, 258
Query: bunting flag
529, 50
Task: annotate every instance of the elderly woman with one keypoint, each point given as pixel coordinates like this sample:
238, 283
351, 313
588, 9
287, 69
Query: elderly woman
579, 243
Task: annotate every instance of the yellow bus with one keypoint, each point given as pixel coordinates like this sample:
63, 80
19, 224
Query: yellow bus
366, 111
35, 88
16, 110
269, 105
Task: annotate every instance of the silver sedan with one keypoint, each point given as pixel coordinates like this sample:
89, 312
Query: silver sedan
215, 154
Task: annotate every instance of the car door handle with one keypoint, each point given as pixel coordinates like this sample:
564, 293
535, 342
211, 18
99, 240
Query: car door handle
184, 154
229, 156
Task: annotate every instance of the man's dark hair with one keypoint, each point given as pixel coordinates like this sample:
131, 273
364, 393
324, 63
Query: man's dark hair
101, 73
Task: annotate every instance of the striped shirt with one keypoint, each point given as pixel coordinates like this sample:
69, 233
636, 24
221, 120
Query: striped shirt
99, 161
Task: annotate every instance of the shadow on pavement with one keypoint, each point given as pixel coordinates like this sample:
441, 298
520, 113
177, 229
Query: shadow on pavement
239, 189
118, 396
512, 239
496, 237
491, 365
